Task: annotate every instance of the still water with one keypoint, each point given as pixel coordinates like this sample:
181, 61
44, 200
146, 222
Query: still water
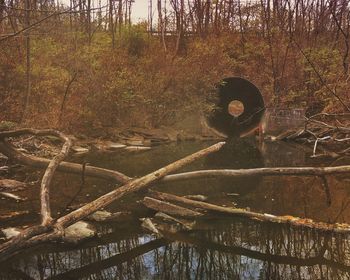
228, 248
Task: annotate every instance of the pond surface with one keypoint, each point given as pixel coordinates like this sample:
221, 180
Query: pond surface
230, 248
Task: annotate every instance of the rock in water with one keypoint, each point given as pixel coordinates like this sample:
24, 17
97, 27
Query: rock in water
10, 232
12, 196
103, 216
109, 146
80, 150
115, 146
3, 158
137, 148
147, 224
197, 197
4, 169
99, 216
79, 232
11, 185
135, 141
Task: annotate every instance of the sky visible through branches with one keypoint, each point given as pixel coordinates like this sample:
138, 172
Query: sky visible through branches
139, 8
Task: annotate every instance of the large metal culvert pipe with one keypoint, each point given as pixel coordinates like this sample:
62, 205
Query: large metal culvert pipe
239, 107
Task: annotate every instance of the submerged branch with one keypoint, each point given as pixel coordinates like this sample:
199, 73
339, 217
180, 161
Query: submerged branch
263, 217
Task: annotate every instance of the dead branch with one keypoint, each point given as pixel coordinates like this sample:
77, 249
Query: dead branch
333, 115
169, 208
42, 233
46, 180
326, 130
266, 171
70, 82
263, 217
326, 125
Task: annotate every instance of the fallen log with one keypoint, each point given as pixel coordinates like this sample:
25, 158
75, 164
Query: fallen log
263, 217
267, 171
48, 175
169, 219
55, 229
169, 208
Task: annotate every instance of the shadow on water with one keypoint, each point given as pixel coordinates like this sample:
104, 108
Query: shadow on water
225, 249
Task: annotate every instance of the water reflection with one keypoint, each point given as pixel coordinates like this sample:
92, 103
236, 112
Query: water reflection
237, 153
230, 249
233, 249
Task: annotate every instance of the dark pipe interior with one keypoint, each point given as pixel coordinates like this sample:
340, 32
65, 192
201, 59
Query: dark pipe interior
240, 89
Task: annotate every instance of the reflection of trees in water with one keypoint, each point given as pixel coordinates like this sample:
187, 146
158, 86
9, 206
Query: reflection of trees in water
260, 250
121, 259
228, 250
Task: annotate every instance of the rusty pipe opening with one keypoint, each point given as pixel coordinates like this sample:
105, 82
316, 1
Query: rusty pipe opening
239, 107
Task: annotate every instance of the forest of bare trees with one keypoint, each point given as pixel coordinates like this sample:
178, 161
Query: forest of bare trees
60, 59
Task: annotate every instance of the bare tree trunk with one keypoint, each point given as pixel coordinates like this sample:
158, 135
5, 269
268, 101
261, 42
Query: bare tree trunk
129, 11
180, 24
2, 13
88, 27
126, 12
28, 65
111, 22
81, 11
70, 16
70, 82
161, 24
241, 26
120, 17
207, 16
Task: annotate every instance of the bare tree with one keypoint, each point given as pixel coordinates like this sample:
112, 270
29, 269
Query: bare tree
28, 64
161, 24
